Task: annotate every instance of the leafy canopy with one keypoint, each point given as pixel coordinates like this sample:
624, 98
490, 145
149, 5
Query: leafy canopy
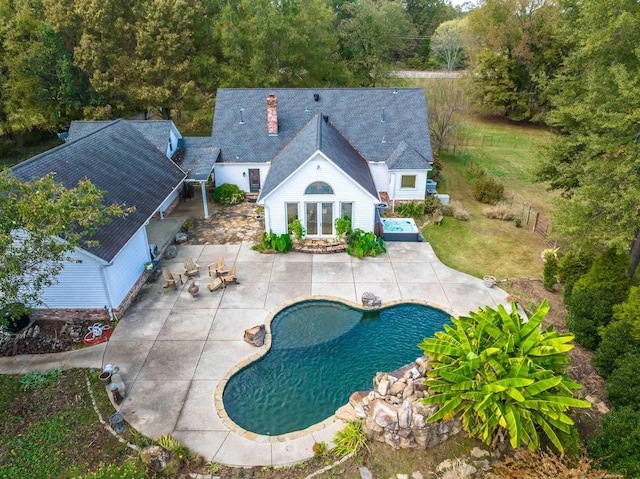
503, 376
41, 223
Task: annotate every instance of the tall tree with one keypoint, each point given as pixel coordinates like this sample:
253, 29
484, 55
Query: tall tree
446, 97
447, 43
521, 52
595, 160
372, 33
287, 43
41, 223
426, 16
42, 89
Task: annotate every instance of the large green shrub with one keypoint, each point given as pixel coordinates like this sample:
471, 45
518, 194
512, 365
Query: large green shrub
623, 387
617, 443
412, 209
594, 295
629, 311
570, 268
487, 189
502, 374
228, 194
361, 243
616, 343
274, 242
550, 270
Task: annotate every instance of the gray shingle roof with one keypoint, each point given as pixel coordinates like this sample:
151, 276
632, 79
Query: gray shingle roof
406, 157
357, 113
199, 157
316, 135
119, 160
156, 131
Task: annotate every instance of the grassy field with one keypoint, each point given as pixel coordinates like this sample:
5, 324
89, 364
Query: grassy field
480, 245
51, 430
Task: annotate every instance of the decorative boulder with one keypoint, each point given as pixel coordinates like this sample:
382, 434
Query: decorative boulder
255, 335
370, 300
160, 460
171, 252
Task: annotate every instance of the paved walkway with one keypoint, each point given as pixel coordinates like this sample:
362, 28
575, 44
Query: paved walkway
173, 350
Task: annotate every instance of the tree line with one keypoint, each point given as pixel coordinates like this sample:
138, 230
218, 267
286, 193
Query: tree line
96, 59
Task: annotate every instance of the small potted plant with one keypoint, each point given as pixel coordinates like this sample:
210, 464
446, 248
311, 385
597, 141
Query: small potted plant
297, 230
489, 281
343, 227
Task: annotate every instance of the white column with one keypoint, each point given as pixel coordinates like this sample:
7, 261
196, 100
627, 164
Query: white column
204, 199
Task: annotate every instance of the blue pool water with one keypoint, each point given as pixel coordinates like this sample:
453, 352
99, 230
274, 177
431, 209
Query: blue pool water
322, 351
399, 225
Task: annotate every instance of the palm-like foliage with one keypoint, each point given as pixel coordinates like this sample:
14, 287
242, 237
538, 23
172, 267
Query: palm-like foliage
502, 373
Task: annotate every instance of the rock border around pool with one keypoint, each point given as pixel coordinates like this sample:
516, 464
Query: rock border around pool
261, 438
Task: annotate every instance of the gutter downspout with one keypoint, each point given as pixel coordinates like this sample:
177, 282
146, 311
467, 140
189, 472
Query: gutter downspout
204, 199
107, 289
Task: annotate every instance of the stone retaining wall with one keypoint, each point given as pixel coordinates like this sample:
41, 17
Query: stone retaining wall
393, 412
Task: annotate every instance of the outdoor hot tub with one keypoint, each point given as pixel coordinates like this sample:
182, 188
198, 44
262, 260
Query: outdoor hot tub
400, 229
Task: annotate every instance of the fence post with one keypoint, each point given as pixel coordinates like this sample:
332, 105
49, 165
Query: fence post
535, 223
528, 214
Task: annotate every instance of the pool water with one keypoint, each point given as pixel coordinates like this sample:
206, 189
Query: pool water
399, 225
321, 352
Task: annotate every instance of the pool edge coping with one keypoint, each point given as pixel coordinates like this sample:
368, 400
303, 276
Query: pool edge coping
293, 435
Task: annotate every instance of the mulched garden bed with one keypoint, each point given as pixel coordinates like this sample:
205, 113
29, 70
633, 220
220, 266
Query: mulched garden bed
43, 337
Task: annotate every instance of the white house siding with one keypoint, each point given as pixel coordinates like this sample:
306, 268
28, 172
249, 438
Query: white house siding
232, 173
167, 203
127, 267
174, 135
344, 188
380, 174
396, 192
79, 285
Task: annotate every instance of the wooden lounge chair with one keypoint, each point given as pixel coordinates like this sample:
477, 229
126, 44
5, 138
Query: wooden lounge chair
231, 278
191, 268
222, 281
217, 269
170, 279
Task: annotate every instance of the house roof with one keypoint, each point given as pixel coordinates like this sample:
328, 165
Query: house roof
357, 113
199, 157
319, 135
156, 131
120, 161
406, 157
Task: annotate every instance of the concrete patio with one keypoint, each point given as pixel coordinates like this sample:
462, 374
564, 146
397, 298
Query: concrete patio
173, 349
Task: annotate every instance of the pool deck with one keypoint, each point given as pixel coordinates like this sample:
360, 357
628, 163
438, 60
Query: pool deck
174, 350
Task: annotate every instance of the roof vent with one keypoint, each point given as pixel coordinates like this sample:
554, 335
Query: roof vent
325, 118
316, 97
241, 116
395, 91
383, 118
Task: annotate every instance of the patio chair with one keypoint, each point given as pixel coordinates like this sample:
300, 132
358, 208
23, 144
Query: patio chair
231, 278
191, 268
216, 283
217, 269
170, 279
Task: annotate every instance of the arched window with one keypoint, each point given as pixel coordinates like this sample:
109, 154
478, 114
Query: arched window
318, 188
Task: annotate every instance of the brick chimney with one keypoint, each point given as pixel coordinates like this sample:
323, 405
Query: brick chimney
272, 115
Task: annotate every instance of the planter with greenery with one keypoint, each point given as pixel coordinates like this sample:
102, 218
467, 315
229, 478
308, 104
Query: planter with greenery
296, 228
343, 227
503, 376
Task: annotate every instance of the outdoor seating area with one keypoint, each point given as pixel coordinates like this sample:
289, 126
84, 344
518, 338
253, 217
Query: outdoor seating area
221, 277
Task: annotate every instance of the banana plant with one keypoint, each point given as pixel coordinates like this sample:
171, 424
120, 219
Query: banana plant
502, 374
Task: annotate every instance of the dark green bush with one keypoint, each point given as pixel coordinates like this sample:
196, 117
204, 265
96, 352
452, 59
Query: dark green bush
274, 242
228, 194
623, 387
432, 204
594, 295
550, 271
617, 443
570, 268
487, 189
616, 343
629, 311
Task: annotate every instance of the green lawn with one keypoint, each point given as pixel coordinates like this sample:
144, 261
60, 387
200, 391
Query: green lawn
482, 246
53, 431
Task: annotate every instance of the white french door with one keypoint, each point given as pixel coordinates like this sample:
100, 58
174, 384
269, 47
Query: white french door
319, 219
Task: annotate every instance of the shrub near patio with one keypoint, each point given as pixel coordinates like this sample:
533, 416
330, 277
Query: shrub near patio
504, 377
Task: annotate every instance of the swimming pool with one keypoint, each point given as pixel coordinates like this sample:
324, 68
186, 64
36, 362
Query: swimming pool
321, 352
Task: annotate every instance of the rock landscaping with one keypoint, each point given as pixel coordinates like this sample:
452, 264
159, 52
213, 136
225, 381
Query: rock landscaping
41, 337
393, 412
